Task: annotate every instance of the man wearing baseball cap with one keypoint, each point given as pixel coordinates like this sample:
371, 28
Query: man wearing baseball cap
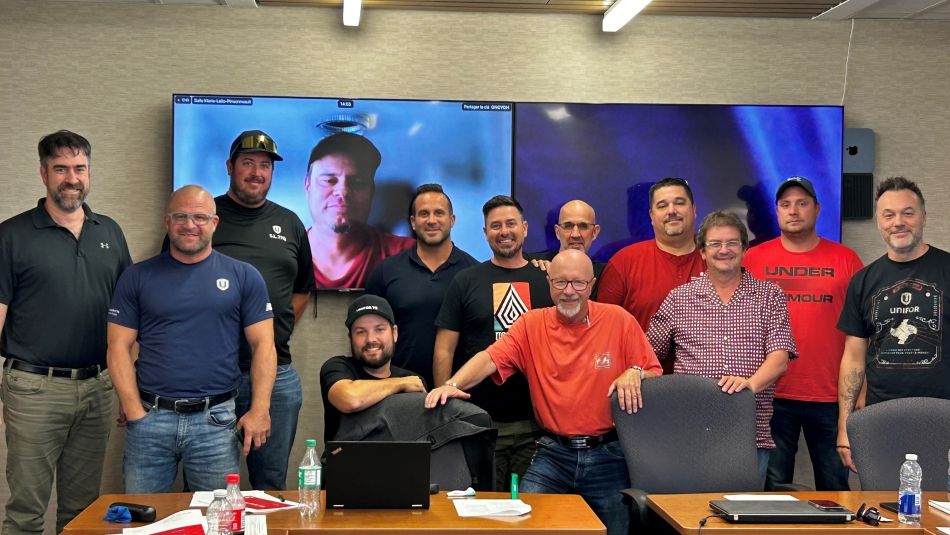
272, 239
813, 273
340, 184
354, 383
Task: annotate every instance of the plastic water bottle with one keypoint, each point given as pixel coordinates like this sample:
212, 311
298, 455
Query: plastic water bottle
219, 514
308, 481
909, 493
236, 499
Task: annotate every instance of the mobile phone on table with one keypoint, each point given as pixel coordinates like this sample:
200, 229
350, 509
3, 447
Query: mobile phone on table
893, 507
828, 505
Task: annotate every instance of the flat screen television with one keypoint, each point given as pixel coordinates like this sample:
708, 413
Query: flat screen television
733, 157
465, 146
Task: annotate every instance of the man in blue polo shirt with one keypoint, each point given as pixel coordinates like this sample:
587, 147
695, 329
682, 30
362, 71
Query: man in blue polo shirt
58, 265
415, 280
187, 309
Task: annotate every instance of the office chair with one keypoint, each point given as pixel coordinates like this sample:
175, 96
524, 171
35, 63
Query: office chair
882, 433
689, 437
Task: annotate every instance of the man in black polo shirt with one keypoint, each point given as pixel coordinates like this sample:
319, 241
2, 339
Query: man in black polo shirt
272, 239
415, 280
355, 383
59, 263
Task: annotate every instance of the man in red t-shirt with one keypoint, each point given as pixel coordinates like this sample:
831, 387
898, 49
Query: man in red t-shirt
640, 276
340, 183
574, 356
813, 273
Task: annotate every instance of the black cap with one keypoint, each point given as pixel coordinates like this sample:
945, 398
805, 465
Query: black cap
360, 149
799, 181
369, 304
255, 141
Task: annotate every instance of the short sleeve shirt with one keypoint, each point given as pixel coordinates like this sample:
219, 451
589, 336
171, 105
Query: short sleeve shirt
712, 339
190, 319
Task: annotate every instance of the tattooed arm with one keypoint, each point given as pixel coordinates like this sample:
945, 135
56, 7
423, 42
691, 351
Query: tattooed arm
850, 382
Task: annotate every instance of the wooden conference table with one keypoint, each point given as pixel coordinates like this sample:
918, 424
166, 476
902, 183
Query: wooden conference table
684, 511
551, 514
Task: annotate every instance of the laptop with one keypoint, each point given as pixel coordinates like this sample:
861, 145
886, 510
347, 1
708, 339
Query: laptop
777, 512
377, 475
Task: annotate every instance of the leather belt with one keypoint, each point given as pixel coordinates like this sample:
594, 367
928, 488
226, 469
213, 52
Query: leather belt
185, 405
52, 371
583, 442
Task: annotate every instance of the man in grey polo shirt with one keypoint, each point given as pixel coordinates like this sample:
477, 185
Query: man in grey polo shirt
58, 265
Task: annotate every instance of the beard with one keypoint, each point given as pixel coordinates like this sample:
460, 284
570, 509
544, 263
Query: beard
70, 203
246, 197
505, 252
385, 355
908, 246
569, 309
179, 244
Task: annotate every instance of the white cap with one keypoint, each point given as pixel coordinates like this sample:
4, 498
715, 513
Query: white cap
221, 493
910, 456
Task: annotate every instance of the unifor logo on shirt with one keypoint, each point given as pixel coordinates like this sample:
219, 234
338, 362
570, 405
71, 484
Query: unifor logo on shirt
222, 284
602, 360
509, 301
908, 319
276, 235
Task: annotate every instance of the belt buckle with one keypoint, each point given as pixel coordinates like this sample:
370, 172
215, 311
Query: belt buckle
578, 443
187, 405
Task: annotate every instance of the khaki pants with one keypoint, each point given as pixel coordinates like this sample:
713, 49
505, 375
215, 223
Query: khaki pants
53, 426
513, 450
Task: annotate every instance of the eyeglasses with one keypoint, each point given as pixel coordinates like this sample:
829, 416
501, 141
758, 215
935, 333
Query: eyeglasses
581, 227
716, 244
870, 515
180, 218
578, 284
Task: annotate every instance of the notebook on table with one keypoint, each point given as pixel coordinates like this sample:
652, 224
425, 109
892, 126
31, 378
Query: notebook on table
377, 475
776, 512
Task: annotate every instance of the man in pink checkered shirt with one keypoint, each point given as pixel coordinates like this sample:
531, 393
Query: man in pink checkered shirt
728, 325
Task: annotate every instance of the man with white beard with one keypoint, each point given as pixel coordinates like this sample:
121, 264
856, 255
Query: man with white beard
570, 390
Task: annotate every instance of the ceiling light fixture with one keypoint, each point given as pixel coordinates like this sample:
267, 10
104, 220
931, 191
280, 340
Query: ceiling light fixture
351, 12
621, 12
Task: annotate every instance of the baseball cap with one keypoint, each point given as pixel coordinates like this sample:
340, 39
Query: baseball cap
369, 304
355, 146
255, 141
799, 181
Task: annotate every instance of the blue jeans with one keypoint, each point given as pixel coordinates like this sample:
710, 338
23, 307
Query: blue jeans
267, 466
597, 474
763, 455
819, 422
204, 442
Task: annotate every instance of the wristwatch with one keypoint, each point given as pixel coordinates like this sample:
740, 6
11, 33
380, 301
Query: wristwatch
456, 385
639, 370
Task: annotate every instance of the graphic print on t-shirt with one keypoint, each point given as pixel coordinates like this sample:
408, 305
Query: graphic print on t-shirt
509, 301
908, 319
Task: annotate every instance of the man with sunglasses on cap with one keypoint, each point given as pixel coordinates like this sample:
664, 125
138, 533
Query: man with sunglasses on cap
340, 183
271, 238
813, 273
58, 265
187, 309
640, 276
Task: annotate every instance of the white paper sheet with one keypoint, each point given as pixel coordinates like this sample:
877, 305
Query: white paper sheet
760, 497
204, 498
175, 522
943, 507
467, 508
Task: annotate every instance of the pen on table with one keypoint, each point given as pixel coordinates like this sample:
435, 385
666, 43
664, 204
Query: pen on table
514, 486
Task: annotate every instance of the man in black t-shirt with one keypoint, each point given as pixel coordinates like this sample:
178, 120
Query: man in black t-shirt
480, 306
272, 239
896, 313
352, 384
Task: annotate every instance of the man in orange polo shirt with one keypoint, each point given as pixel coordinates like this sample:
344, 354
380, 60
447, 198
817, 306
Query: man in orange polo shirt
574, 355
